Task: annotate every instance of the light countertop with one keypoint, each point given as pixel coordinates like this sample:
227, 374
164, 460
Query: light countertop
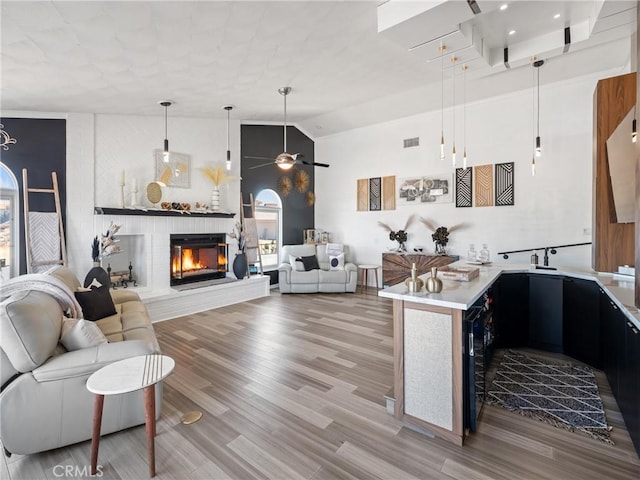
461, 295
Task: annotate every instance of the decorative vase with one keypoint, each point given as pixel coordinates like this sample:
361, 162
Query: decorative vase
414, 284
434, 284
402, 247
440, 249
215, 199
240, 265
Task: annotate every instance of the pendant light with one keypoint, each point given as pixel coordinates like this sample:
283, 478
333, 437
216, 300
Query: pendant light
165, 151
442, 49
454, 59
634, 127
228, 108
537, 64
464, 116
533, 121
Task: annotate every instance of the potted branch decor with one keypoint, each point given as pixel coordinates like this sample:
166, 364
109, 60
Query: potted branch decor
399, 236
440, 235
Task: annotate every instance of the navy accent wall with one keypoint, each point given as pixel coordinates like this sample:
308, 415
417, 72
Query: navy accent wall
267, 141
41, 148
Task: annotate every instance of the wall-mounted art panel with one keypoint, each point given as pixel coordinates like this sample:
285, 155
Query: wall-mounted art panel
464, 187
389, 192
363, 195
375, 193
504, 184
425, 189
483, 185
174, 173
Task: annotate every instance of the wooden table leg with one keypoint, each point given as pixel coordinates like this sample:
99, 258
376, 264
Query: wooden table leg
375, 272
150, 423
95, 436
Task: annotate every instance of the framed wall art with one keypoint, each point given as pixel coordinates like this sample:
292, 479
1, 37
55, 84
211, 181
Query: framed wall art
174, 173
425, 189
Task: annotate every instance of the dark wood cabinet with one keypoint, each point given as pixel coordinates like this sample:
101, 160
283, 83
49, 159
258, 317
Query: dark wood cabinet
581, 321
545, 312
511, 310
396, 267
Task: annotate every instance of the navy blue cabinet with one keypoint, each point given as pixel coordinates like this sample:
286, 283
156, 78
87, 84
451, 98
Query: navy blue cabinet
581, 321
545, 312
629, 383
612, 323
511, 310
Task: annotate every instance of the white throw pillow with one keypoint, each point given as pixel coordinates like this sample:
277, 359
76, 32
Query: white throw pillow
336, 262
81, 333
297, 265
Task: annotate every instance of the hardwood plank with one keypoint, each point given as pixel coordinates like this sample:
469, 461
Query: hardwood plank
274, 366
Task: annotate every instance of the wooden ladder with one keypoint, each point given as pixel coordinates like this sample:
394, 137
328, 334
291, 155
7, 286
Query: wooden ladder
31, 264
251, 231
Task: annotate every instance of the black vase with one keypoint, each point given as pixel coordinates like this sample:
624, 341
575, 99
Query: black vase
240, 265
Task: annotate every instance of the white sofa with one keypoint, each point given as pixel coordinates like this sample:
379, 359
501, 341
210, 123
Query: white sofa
313, 281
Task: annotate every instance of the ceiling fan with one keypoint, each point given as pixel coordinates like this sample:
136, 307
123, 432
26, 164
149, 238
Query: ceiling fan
285, 160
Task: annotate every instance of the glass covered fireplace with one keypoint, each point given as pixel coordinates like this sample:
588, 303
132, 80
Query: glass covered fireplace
197, 257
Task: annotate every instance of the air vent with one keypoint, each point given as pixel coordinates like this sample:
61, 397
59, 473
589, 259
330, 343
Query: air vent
411, 142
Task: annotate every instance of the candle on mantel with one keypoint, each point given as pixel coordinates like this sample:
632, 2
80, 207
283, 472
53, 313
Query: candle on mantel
134, 185
122, 183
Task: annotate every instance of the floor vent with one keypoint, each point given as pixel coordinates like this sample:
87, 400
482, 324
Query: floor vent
411, 142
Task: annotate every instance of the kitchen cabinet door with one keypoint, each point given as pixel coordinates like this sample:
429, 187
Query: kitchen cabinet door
581, 321
511, 310
629, 387
612, 324
545, 312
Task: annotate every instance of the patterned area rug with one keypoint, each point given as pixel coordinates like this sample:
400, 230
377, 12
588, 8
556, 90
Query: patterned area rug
563, 395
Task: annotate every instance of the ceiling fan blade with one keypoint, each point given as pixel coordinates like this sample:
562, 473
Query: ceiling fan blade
263, 165
250, 157
326, 165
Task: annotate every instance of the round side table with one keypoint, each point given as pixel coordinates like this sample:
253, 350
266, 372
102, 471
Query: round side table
365, 275
124, 376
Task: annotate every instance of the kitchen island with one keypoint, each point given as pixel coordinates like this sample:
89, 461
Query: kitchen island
556, 310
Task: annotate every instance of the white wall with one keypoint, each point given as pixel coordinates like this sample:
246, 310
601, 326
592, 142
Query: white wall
552, 208
100, 147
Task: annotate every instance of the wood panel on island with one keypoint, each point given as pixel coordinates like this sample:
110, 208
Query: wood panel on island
396, 266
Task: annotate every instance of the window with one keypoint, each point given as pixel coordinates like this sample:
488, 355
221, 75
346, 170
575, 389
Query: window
9, 250
269, 226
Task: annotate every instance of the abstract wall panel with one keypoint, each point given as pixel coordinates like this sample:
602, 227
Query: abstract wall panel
389, 192
363, 194
464, 187
375, 193
504, 184
483, 185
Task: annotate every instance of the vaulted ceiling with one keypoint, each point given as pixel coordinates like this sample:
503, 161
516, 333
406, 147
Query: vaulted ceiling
349, 63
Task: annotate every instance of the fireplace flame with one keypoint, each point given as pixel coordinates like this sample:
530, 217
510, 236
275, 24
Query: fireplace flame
188, 263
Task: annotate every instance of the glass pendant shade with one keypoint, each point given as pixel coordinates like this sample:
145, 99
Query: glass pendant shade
634, 131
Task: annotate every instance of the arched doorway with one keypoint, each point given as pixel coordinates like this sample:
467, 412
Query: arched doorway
9, 226
269, 225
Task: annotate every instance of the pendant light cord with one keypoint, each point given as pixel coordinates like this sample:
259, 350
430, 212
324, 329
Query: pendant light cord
165, 121
285, 123
453, 76
228, 116
442, 90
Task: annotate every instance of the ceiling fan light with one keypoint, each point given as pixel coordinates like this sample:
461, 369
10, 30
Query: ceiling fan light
284, 165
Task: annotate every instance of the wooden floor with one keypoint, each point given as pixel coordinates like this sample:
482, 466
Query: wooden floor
292, 387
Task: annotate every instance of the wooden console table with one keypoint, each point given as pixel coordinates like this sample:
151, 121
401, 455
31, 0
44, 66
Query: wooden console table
396, 267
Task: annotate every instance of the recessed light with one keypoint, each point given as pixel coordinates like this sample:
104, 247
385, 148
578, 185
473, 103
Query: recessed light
503, 7
556, 16
511, 32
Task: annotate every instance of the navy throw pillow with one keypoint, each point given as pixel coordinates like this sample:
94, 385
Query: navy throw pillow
310, 263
